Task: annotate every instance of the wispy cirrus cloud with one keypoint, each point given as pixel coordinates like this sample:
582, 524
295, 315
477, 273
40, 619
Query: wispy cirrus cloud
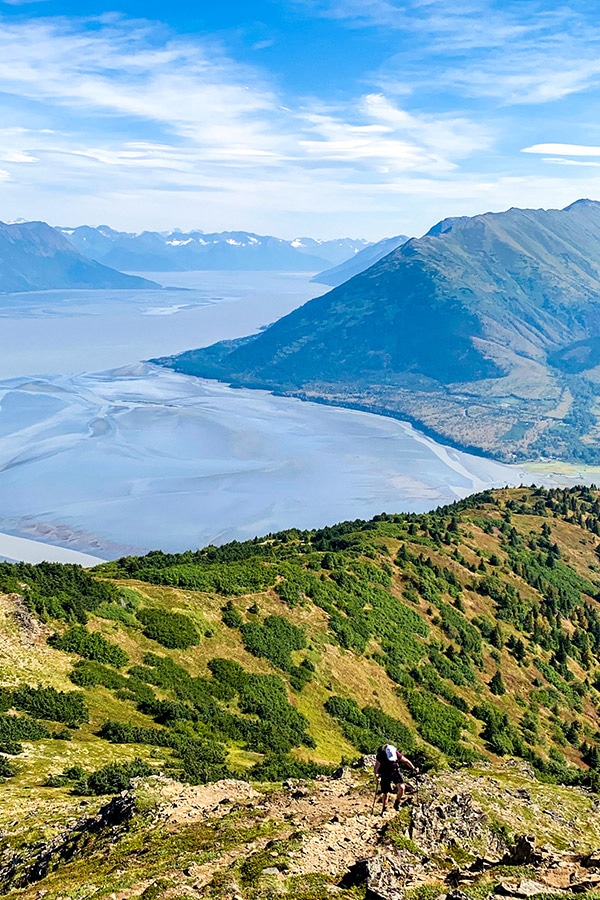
135, 125
201, 120
514, 51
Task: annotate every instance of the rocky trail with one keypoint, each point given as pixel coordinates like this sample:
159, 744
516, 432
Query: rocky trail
464, 836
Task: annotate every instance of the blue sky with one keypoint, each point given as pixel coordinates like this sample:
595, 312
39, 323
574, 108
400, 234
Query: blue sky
305, 117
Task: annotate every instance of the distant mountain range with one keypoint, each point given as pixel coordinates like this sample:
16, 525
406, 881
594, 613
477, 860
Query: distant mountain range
35, 257
485, 332
360, 261
178, 251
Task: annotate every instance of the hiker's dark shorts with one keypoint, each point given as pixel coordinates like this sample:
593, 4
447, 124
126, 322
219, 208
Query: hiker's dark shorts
390, 782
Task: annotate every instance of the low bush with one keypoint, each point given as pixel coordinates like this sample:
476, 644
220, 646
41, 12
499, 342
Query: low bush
437, 723
172, 630
57, 590
90, 645
89, 673
500, 736
274, 639
368, 728
278, 767
111, 779
14, 729
7, 770
230, 616
48, 703
200, 759
282, 725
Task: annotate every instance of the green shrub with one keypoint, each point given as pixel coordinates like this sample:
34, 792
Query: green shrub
201, 759
497, 684
90, 645
48, 703
113, 778
233, 578
437, 723
499, 734
115, 612
369, 728
455, 669
278, 767
203, 762
283, 726
172, 630
164, 673
57, 590
230, 616
7, 770
229, 677
14, 729
275, 639
89, 673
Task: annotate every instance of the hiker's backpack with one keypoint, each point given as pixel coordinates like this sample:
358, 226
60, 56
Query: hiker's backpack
385, 764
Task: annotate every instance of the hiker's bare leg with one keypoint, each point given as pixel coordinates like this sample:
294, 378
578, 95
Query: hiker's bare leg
383, 802
400, 791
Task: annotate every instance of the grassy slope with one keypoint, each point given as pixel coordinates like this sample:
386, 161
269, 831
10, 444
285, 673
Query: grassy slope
25, 656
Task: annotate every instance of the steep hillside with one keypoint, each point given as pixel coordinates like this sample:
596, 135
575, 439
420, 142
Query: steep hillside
360, 261
178, 251
483, 331
35, 257
468, 636
465, 634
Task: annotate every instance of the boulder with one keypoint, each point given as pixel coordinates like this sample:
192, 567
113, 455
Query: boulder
592, 860
523, 853
383, 876
587, 884
524, 888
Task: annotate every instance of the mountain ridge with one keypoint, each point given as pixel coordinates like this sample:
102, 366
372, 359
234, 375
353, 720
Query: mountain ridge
34, 256
198, 250
360, 261
461, 330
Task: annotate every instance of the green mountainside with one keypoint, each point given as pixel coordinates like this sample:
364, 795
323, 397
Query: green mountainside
464, 634
468, 636
484, 332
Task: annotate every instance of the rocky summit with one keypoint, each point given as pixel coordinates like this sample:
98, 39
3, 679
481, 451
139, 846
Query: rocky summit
463, 835
483, 332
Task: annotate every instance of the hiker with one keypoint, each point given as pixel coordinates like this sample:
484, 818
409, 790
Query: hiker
387, 772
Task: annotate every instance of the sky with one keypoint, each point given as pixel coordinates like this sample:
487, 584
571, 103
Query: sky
325, 118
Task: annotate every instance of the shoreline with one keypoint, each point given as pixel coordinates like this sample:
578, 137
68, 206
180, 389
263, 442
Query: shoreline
18, 549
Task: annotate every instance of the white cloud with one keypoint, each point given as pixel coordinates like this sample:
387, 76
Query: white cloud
517, 52
566, 149
199, 107
557, 160
12, 142
122, 122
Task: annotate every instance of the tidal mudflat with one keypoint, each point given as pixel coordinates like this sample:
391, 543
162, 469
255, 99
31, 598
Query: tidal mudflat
141, 457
